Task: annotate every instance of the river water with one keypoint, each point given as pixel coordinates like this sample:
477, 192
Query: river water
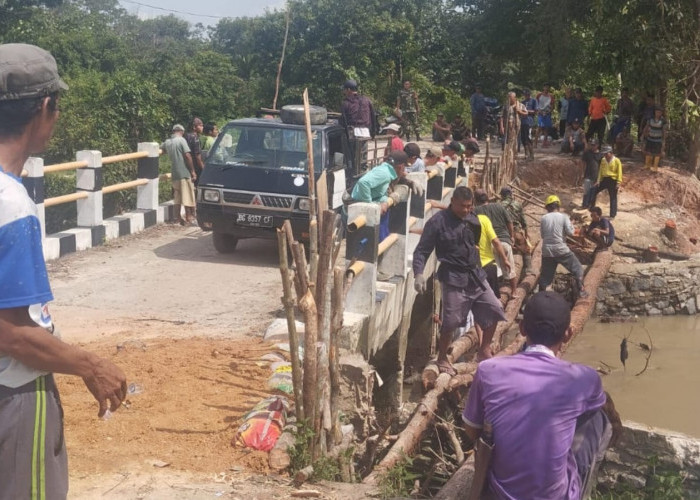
667, 394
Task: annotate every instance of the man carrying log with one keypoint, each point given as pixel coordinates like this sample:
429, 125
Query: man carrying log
454, 235
554, 228
551, 420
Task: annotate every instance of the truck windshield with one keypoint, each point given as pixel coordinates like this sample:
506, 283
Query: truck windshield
264, 147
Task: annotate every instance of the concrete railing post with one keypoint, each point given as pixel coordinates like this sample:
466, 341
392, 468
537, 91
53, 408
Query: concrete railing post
34, 184
361, 248
89, 179
394, 261
147, 195
417, 210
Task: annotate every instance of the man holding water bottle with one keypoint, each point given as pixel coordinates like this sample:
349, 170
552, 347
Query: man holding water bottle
33, 461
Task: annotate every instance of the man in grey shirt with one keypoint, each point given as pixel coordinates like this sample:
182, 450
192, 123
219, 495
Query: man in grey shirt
554, 228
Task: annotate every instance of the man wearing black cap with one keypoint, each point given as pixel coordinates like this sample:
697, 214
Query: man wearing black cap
415, 162
358, 117
373, 186
33, 460
550, 419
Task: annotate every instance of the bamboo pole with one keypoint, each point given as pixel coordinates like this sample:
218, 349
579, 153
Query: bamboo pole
288, 302
284, 48
313, 222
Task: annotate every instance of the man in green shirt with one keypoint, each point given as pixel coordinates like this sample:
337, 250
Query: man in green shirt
183, 174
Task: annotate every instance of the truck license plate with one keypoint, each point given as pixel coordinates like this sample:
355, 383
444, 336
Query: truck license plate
254, 220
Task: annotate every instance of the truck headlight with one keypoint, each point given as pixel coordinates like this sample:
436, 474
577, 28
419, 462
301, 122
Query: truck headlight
304, 204
211, 195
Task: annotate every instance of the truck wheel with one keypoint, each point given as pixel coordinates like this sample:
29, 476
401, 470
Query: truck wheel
294, 114
224, 243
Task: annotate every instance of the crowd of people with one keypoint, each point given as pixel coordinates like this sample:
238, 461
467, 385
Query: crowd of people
475, 239
549, 419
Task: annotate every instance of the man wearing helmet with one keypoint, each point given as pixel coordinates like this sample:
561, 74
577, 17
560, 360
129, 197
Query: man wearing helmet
554, 228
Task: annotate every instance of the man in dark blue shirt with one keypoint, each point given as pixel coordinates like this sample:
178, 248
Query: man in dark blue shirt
454, 235
600, 230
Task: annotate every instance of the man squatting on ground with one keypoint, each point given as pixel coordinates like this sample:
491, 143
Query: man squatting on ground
551, 420
554, 228
33, 461
454, 235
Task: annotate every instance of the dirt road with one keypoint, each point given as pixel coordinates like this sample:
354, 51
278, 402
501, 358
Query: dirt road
169, 275
184, 323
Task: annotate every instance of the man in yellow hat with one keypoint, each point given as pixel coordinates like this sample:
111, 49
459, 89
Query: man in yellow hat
554, 228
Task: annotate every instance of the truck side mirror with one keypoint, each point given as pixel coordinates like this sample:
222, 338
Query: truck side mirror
338, 160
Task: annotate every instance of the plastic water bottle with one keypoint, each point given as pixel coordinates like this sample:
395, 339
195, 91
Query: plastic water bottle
132, 389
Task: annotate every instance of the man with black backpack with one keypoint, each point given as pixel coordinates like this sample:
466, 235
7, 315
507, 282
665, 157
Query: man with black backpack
360, 122
454, 235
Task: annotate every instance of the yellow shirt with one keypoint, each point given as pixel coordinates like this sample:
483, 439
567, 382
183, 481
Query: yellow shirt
612, 169
487, 236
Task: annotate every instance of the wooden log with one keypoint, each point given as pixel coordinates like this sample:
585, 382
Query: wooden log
288, 302
322, 423
583, 308
410, 436
307, 306
279, 455
661, 253
311, 179
458, 485
337, 307
303, 475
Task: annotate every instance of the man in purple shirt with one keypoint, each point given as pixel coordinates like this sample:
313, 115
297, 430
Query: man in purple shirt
549, 430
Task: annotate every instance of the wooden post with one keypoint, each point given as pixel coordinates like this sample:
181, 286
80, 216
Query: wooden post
313, 223
337, 306
288, 302
307, 306
323, 301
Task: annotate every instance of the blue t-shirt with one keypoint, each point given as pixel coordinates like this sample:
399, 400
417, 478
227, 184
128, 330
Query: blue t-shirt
24, 281
530, 105
605, 225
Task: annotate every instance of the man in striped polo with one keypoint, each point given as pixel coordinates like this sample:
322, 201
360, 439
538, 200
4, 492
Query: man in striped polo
32, 450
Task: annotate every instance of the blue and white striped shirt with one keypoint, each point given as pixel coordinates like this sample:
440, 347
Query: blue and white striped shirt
24, 280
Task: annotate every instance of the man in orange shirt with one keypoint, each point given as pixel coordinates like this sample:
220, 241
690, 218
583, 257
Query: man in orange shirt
597, 109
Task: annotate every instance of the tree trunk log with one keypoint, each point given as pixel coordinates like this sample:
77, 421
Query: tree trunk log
307, 306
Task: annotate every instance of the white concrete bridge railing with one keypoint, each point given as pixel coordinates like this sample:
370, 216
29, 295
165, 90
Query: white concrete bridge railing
92, 228
376, 308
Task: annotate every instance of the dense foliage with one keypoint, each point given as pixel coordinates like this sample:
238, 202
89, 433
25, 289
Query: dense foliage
131, 79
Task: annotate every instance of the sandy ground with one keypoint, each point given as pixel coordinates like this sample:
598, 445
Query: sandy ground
186, 324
